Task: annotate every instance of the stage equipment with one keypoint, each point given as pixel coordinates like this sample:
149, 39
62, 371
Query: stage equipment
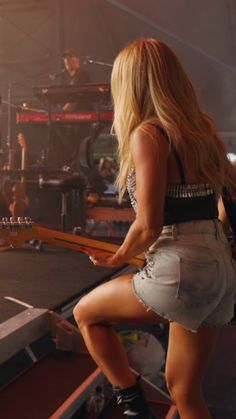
63, 117
67, 185
94, 103
94, 93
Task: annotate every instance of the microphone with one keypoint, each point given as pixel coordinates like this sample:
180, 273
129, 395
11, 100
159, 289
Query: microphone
87, 60
55, 75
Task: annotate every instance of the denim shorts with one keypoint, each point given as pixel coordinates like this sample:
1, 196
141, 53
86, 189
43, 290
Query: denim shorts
190, 276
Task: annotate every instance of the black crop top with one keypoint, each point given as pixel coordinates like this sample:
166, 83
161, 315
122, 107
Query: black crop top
184, 201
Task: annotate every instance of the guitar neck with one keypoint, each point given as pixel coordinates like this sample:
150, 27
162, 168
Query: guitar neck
82, 244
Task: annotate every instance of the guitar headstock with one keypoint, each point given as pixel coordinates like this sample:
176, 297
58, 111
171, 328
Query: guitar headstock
21, 140
19, 223
14, 232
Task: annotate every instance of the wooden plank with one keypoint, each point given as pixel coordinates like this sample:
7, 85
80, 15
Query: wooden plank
21, 330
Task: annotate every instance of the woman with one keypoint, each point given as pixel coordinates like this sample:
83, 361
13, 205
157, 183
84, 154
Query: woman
174, 166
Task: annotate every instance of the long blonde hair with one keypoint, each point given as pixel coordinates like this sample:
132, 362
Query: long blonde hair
148, 84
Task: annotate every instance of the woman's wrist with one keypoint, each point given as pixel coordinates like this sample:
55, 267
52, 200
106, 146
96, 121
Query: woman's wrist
118, 259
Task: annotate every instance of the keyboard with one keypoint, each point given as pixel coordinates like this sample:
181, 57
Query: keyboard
62, 117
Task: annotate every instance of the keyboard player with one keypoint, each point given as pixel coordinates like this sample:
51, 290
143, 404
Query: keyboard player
76, 75
70, 138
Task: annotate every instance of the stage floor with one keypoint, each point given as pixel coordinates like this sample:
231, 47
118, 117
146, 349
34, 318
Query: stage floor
44, 279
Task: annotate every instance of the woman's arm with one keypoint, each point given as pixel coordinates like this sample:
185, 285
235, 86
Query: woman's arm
150, 154
222, 216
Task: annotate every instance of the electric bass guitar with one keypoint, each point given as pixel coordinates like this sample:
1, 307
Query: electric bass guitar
20, 201
17, 233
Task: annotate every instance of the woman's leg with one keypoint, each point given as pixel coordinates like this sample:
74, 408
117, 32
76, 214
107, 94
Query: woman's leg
111, 303
187, 361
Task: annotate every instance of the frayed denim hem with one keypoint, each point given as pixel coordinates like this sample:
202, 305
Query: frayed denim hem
165, 316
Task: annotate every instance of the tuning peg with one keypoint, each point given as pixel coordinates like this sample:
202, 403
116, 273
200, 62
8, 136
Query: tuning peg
28, 222
13, 223
27, 219
2, 223
5, 222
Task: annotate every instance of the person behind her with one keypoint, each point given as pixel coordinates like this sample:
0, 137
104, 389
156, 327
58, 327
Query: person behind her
76, 75
174, 166
65, 143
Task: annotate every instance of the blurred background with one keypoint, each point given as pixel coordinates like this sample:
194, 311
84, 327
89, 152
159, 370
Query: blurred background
33, 35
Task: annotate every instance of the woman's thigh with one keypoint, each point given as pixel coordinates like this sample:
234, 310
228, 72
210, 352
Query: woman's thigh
114, 302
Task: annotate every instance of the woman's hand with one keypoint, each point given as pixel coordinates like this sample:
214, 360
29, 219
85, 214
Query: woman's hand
105, 259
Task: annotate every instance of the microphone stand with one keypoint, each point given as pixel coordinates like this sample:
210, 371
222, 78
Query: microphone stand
97, 126
9, 143
56, 75
46, 150
90, 61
